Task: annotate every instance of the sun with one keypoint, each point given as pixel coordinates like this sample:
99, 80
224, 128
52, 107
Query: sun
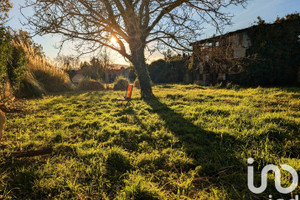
113, 40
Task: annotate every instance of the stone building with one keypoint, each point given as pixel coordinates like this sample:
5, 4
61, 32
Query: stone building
213, 58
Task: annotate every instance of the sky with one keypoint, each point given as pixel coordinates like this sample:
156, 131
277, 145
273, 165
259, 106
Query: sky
268, 10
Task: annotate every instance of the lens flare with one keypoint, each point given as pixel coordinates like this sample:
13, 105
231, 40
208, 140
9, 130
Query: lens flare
113, 40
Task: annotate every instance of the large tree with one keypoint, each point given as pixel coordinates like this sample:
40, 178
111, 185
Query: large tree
132, 24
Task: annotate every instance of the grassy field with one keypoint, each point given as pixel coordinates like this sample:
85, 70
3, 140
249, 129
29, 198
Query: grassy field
190, 142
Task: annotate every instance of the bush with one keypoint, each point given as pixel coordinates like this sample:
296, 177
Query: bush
90, 84
30, 87
121, 83
171, 70
137, 84
16, 67
5, 50
158, 71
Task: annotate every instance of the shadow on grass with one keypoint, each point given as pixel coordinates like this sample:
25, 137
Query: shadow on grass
20, 182
215, 155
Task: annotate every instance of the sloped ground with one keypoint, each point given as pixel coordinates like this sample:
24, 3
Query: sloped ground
190, 142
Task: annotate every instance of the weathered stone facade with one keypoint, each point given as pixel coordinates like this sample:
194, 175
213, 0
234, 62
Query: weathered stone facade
213, 57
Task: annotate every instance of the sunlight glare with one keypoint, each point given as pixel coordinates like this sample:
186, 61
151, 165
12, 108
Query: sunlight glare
113, 40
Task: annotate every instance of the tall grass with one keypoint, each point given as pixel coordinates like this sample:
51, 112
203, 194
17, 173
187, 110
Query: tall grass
30, 87
46, 73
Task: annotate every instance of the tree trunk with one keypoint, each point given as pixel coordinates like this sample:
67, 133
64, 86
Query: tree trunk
138, 61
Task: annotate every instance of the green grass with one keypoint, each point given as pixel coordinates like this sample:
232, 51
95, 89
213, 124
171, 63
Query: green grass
190, 142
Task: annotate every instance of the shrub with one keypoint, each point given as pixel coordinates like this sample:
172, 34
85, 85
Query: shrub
158, 71
90, 84
121, 83
137, 84
171, 70
16, 66
5, 50
30, 87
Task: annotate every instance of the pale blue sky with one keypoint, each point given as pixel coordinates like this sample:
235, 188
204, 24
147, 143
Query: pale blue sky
268, 10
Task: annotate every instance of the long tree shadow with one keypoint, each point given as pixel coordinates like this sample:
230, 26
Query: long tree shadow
215, 155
